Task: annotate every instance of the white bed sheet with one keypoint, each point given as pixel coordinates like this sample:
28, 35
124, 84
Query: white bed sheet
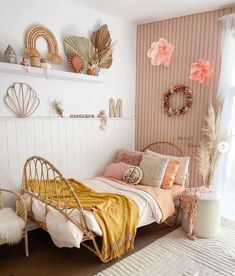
65, 234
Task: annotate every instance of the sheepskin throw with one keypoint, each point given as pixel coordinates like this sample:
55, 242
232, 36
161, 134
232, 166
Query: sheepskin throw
11, 226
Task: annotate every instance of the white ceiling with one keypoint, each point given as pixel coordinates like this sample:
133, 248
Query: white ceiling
143, 11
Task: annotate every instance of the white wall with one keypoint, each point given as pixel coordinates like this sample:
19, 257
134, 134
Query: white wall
65, 18
77, 147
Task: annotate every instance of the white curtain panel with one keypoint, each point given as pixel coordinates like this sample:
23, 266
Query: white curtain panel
224, 180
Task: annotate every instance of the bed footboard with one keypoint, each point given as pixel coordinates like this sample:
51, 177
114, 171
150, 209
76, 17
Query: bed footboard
40, 181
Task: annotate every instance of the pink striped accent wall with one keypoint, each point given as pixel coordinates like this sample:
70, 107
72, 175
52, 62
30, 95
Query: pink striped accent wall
195, 36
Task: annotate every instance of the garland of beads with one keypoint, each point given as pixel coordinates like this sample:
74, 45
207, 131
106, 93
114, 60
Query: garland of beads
177, 111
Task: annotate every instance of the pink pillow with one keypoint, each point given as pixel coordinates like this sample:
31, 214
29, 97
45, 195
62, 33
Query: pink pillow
130, 157
116, 170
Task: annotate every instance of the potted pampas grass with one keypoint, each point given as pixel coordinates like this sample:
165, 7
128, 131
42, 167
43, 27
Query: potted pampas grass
208, 154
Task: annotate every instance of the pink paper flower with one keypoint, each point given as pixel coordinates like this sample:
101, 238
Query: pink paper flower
161, 52
200, 70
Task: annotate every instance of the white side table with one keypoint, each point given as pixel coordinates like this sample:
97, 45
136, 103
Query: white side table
207, 222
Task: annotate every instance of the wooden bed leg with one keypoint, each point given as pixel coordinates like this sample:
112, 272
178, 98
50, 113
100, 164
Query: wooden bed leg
97, 248
26, 244
169, 224
177, 219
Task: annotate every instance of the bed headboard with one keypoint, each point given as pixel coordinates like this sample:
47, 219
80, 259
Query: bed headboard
168, 149
164, 148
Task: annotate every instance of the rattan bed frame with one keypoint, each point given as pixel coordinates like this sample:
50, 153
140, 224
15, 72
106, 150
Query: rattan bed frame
41, 170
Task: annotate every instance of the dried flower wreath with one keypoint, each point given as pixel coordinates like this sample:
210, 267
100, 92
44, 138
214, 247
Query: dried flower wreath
177, 111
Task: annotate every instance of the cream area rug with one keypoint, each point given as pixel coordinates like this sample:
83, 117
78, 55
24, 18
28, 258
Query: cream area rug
176, 255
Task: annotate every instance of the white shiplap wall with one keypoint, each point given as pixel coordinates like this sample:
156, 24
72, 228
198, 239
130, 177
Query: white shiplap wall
77, 147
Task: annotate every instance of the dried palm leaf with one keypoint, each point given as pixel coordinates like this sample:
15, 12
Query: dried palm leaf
82, 46
101, 38
102, 41
105, 57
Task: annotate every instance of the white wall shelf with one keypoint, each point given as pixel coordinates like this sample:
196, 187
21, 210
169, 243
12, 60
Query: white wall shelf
18, 69
64, 118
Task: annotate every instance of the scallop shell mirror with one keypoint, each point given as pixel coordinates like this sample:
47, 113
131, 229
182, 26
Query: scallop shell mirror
22, 99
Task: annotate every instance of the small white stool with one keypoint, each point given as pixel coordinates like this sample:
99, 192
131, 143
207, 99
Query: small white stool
207, 221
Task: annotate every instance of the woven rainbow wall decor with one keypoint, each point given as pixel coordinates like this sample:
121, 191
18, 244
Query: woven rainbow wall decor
31, 38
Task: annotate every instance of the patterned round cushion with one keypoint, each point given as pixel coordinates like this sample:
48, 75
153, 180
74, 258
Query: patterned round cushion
133, 175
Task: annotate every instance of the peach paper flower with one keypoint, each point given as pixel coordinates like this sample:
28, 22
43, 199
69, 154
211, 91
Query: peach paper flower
161, 52
200, 70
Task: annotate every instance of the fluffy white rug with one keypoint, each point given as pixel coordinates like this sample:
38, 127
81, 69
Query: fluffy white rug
11, 226
175, 255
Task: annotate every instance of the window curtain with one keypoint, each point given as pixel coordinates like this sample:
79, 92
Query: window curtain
224, 180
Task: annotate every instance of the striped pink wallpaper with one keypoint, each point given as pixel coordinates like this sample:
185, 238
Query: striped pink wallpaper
195, 36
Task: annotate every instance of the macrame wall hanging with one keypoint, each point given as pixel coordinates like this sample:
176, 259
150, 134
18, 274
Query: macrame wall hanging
31, 39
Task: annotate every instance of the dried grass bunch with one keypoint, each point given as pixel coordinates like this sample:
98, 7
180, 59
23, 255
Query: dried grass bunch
208, 154
57, 107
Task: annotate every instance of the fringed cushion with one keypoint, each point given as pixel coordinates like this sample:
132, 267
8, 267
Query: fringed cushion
11, 226
131, 157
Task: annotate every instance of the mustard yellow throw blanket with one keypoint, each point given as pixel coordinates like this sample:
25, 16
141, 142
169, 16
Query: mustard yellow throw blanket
116, 215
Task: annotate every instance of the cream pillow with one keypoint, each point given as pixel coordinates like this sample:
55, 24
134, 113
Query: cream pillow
153, 170
183, 165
